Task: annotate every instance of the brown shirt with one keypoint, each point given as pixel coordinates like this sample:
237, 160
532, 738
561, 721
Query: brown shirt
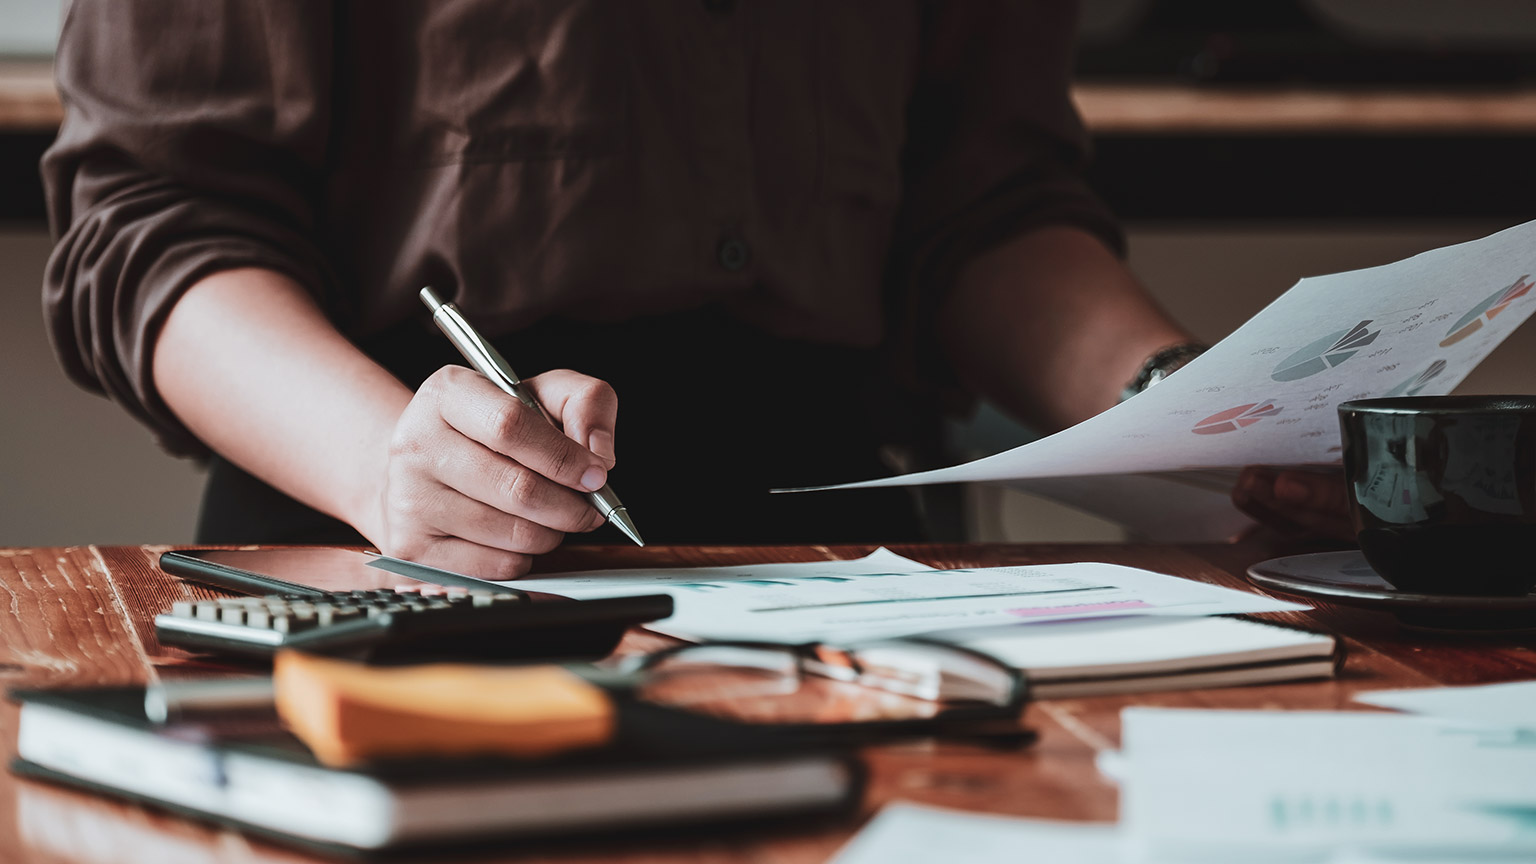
814, 168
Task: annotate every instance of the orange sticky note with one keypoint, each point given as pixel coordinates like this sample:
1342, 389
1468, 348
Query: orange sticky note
347, 713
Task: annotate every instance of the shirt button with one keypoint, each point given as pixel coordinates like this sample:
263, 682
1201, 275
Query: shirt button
733, 253
721, 6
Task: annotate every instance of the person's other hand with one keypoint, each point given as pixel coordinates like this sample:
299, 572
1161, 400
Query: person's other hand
479, 483
1296, 502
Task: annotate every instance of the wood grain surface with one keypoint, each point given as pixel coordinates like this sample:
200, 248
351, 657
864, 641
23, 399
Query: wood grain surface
1174, 109
29, 101
83, 615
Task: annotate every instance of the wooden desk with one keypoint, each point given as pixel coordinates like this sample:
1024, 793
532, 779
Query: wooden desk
28, 100
81, 615
1179, 109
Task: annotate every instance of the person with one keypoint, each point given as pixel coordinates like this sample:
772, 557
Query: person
781, 232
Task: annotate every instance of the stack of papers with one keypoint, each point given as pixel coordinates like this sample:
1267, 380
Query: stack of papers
884, 596
1510, 705
1074, 629
1219, 786
1456, 785
912, 834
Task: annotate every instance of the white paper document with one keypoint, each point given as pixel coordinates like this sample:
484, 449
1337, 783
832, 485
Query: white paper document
1284, 786
885, 596
913, 834
620, 583
1267, 393
1510, 705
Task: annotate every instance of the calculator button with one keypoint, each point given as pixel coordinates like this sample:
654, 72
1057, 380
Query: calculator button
206, 610
294, 623
182, 608
258, 617
233, 614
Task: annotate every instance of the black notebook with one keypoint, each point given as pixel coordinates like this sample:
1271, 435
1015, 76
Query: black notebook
664, 767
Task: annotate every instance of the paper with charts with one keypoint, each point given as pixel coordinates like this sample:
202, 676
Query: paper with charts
1267, 394
885, 595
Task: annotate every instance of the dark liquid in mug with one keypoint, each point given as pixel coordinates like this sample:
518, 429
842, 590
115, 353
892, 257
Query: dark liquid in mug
1494, 559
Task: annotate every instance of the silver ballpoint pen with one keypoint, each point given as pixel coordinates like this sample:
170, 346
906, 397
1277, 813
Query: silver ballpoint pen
489, 362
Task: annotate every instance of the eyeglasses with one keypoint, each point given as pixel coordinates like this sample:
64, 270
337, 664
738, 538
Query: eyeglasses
895, 688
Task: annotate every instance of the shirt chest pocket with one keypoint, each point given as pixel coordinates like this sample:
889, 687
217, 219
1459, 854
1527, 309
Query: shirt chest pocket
512, 80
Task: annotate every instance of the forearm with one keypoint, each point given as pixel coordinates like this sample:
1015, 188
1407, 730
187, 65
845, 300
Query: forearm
251, 365
1051, 326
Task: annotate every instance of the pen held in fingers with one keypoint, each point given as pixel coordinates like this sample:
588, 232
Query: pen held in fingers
486, 360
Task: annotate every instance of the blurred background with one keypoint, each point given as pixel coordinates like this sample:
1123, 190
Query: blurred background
1246, 144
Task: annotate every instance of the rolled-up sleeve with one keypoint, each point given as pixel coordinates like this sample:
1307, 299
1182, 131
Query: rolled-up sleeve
995, 146
194, 138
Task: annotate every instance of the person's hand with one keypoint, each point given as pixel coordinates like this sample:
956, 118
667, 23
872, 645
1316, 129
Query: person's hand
1296, 502
479, 483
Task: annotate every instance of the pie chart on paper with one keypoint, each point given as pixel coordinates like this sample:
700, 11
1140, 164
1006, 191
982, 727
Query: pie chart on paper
1489, 309
1325, 353
1412, 386
1237, 418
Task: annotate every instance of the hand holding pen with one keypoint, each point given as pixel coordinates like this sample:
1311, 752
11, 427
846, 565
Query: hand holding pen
488, 362
477, 483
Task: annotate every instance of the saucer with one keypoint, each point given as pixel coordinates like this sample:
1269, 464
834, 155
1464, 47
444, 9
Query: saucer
1346, 579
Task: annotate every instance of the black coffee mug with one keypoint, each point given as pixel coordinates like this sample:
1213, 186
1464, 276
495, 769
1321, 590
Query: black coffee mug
1442, 490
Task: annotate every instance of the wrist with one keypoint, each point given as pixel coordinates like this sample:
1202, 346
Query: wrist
366, 506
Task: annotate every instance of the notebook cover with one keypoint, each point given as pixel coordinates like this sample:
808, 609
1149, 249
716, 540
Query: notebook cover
646, 735
649, 737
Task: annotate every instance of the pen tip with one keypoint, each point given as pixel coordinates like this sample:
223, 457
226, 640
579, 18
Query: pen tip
429, 297
620, 519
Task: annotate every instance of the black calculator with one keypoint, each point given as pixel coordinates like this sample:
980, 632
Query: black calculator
422, 618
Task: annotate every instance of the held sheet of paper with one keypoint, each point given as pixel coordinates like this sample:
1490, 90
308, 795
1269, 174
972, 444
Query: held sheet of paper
885, 595
1267, 394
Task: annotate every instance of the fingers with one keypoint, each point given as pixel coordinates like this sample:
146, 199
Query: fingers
478, 482
458, 515
1296, 502
585, 407
478, 410
481, 474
